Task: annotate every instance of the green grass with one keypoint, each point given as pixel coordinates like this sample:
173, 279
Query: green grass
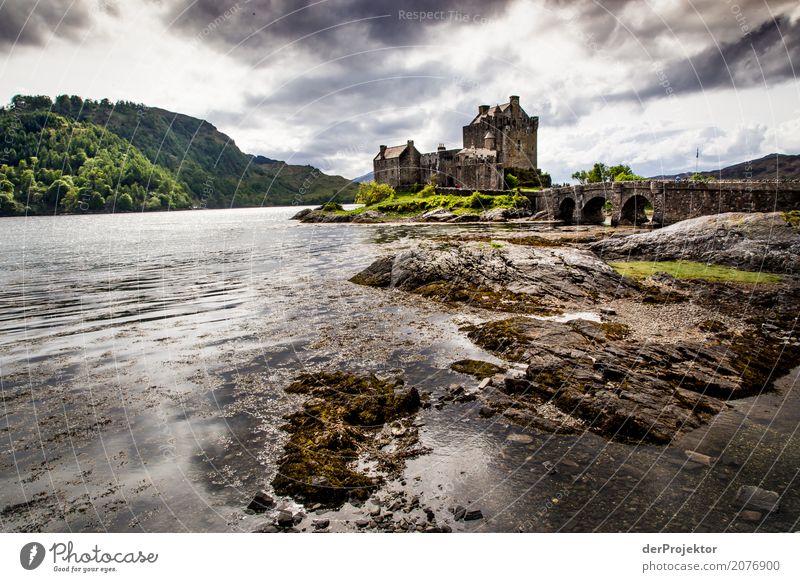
406, 203
692, 270
792, 217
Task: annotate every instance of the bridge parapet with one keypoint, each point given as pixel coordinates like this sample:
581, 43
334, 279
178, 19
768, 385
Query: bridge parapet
671, 201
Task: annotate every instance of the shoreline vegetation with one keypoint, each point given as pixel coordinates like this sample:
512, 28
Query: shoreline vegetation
670, 347
381, 203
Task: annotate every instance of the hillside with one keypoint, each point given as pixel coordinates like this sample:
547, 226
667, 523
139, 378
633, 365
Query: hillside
205, 166
770, 167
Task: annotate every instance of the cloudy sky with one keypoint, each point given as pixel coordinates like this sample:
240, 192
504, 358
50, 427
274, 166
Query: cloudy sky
325, 82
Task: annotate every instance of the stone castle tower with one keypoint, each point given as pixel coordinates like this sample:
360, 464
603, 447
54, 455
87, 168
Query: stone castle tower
497, 139
508, 130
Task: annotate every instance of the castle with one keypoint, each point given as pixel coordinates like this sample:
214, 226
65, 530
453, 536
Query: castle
498, 138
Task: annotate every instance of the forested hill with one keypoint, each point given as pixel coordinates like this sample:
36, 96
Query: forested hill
75, 155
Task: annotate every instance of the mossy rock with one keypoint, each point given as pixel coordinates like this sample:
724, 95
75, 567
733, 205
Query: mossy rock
477, 368
337, 423
615, 331
485, 298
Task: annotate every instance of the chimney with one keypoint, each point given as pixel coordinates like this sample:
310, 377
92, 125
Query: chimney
514, 101
410, 143
441, 147
383, 151
482, 109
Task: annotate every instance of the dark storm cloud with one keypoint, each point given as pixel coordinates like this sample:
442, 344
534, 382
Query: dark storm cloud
768, 55
33, 23
258, 27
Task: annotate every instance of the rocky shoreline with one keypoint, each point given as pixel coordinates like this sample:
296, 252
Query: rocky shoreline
579, 349
437, 215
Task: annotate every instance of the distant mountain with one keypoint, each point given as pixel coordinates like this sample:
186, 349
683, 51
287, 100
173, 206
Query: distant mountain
196, 164
780, 166
365, 178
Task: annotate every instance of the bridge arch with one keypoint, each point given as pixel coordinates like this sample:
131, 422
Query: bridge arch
632, 210
593, 211
566, 210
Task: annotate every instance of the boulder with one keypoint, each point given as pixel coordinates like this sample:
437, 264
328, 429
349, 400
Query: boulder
756, 241
437, 215
505, 277
368, 217
285, 519
261, 502
465, 218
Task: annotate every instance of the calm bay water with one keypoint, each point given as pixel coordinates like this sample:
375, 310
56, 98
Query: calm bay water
142, 360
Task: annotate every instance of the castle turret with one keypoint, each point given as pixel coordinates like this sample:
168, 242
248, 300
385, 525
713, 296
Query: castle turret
489, 141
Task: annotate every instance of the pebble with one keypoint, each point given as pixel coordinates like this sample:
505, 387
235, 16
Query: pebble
749, 515
758, 498
459, 512
699, 458
473, 514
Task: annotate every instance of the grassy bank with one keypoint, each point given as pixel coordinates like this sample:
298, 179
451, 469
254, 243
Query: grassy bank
381, 198
692, 270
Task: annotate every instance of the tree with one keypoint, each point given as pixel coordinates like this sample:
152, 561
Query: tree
600, 172
124, 203
372, 192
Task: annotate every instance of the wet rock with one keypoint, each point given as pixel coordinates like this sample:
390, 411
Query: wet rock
623, 389
750, 515
285, 519
485, 412
473, 515
520, 438
507, 278
361, 523
465, 218
459, 512
378, 274
437, 215
476, 368
339, 423
756, 498
261, 502
302, 214
368, 217
267, 529
504, 214
318, 215
699, 458
321, 523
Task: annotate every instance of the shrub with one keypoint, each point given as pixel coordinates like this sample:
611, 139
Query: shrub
331, 207
429, 190
512, 181
372, 192
479, 200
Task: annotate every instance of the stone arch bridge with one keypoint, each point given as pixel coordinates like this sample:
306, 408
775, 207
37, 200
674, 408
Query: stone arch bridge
661, 202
